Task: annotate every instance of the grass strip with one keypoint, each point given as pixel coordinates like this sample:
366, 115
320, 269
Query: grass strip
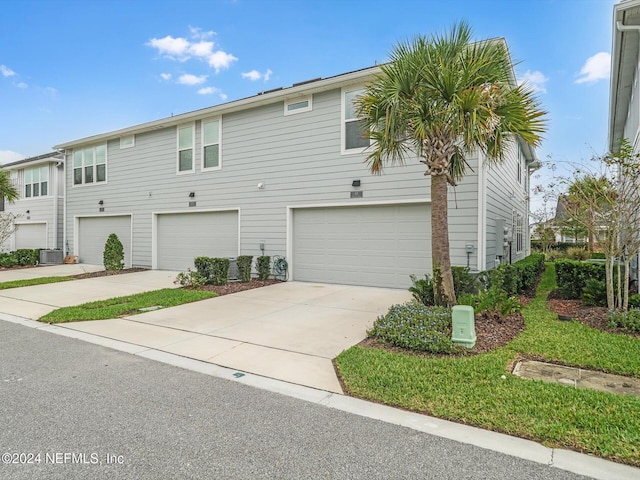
471, 390
33, 281
129, 305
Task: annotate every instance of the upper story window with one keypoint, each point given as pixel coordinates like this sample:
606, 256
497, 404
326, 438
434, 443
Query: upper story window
128, 141
90, 165
186, 141
298, 105
211, 130
36, 182
353, 140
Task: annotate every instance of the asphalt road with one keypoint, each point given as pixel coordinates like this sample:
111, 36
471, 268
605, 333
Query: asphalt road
74, 410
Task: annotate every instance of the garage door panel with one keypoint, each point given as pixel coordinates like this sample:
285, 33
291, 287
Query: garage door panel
93, 233
31, 235
183, 236
366, 245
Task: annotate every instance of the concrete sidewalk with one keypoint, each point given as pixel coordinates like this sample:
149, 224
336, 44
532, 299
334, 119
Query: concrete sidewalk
289, 331
48, 271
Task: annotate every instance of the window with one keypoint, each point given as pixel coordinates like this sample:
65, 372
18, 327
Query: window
519, 233
185, 148
297, 105
36, 182
353, 140
211, 144
90, 165
128, 141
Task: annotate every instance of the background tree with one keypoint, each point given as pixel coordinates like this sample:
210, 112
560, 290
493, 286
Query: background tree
439, 99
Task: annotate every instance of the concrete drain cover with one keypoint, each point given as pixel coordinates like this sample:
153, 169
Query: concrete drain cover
150, 309
577, 377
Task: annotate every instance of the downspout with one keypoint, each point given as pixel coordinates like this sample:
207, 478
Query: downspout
64, 203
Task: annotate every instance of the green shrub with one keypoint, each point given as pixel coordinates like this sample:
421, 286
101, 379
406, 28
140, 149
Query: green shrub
562, 247
244, 267
577, 253
493, 300
204, 267
597, 256
219, 271
594, 293
422, 289
634, 300
514, 278
113, 255
416, 327
8, 260
27, 256
463, 281
571, 276
189, 279
629, 321
263, 266
553, 255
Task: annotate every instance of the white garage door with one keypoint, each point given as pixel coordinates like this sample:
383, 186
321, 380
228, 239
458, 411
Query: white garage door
183, 236
369, 245
93, 233
31, 235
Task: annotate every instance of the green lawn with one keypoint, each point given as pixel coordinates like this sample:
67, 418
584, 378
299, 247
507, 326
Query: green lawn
33, 281
470, 389
129, 305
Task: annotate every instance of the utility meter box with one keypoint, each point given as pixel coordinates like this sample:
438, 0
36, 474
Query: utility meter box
463, 326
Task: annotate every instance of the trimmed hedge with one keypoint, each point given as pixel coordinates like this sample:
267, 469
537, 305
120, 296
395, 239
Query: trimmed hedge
244, 267
515, 278
23, 257
214, 270
558, 246
572, 276
263, 266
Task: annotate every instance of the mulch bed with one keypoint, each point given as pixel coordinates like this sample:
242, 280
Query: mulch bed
235, 287
108, 273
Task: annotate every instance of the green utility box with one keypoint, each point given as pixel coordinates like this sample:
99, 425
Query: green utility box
464, 326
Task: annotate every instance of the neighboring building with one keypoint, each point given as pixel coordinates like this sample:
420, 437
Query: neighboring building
39, 208
284, 173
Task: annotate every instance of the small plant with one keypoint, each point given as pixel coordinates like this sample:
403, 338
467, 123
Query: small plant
634, 300
629, 321
422, 289
189, 279
463, 281
220, 271
263, 266
244, 267
113, 256
27, 256
577, 253
493, 300
416, 327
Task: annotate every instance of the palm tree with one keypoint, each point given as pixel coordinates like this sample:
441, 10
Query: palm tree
7, 190
439, 99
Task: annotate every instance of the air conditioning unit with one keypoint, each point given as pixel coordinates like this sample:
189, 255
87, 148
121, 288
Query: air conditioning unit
51, 257
233, 268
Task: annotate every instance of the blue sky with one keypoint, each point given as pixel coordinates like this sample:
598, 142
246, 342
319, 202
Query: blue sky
70, 69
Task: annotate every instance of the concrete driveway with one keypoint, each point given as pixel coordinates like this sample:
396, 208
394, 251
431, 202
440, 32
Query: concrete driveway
289, 331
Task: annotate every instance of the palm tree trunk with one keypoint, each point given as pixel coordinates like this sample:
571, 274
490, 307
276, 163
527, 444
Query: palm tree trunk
441, 260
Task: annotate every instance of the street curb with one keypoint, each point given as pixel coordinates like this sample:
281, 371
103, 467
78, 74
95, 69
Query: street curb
567, 460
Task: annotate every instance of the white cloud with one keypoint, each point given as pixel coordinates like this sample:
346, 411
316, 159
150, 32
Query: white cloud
6, 71
181, 49
22, 85
535, 80
175, 48
595, 68
165, 76
188, 79
220, 60
255, 75
7, 156
211, 91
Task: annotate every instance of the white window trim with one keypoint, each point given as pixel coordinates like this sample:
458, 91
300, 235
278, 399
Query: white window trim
293, 101
24, 186
95, 173
193, 148
343, 121
127, 145
219, 167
